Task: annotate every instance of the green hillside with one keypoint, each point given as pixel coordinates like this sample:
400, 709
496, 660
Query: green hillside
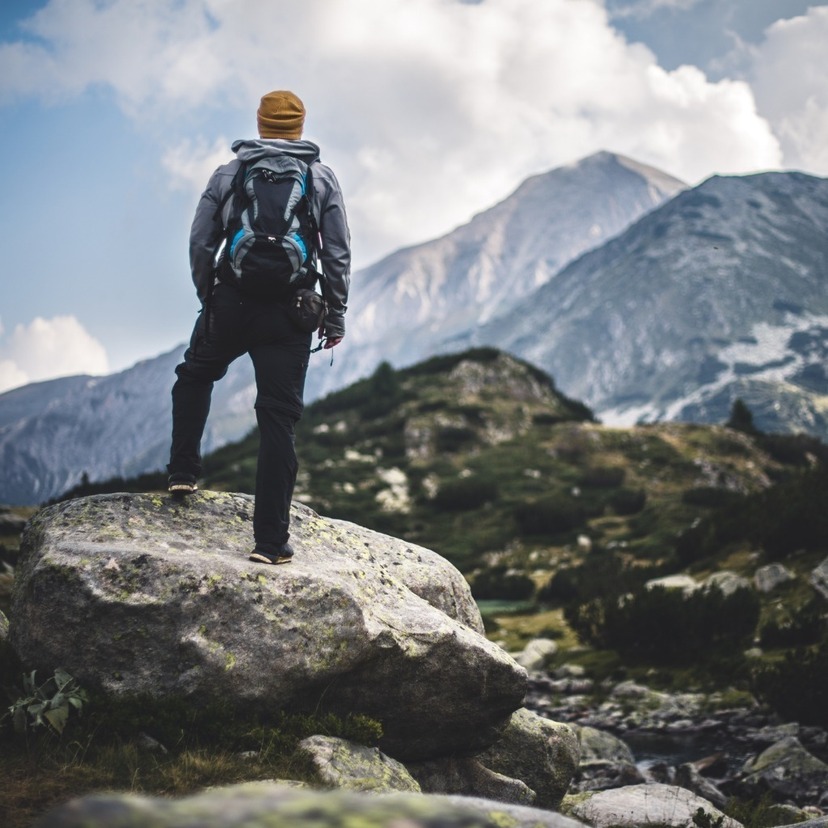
559, 522
480, 458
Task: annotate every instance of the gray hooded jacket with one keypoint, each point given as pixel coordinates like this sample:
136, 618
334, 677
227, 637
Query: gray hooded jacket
328, 208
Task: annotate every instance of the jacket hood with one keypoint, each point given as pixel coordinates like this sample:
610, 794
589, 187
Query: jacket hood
255, 148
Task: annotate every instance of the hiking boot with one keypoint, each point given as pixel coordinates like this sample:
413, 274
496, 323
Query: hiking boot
281, 555
180, 483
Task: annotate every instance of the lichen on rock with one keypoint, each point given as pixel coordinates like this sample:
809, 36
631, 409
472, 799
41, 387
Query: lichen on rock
140, 594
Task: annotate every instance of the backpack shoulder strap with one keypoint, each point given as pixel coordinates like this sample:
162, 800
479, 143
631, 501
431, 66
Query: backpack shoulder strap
236, 185
316, 238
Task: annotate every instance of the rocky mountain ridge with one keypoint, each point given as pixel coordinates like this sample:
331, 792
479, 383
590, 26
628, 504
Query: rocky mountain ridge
717, 294
411, 304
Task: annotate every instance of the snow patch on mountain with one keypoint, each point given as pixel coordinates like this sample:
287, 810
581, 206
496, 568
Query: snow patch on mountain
784, 353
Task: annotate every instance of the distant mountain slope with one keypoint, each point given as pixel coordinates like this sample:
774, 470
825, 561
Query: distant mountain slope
721, 292
400, 308
406, 306
53, 432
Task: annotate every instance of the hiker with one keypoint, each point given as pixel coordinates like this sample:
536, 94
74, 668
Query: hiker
254, 314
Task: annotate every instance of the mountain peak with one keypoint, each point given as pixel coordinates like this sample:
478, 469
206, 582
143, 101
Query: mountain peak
606, 161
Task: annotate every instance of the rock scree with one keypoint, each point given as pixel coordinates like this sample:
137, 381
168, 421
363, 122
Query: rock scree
147, 594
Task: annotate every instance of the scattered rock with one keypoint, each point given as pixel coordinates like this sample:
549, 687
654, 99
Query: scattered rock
600, 748
819, 822
688, 776
570, 671
819, 579
790, 814
727, 582
4, 627
685, 583
137, 593
637, 805
788, 770
770, 734
338, 763
539, 752
11, 522
631, 690
466, 776
537, 654
275, 805
606, 762
727, 729
147, 742
768, 578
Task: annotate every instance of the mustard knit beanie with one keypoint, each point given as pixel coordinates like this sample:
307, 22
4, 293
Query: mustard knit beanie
281, 115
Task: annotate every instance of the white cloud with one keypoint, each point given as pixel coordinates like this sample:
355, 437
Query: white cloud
427, 110
790, 81
190, 163
49, 348
11, 376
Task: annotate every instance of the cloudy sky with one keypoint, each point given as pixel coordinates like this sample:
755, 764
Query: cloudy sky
115, 112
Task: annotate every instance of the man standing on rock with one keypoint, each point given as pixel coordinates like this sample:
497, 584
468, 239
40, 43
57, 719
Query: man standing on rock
235, 320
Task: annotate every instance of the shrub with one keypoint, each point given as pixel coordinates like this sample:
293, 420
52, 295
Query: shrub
712, 497
796, 688
603, 477
793, 449
547, 418
626, 502
783, 519
799, 627
741, 418
666, 626
549, 515
562, 588
47, 704
601, 575
465, 494
454, 438
499, 582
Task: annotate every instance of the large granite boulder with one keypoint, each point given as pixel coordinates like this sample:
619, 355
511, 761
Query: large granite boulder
464, 775
787, 769
338, 763
146, 594
270, 805
537, 654
819, 579
767, 578
606, 761
542, 753
637, 805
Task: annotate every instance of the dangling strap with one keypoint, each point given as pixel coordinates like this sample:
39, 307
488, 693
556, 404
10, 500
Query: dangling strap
236, 186
317, 238
317, 246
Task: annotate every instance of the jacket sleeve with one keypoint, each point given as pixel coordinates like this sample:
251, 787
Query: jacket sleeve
335, 255
208, 230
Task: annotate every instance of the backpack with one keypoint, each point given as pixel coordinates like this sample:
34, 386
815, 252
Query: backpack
270, 240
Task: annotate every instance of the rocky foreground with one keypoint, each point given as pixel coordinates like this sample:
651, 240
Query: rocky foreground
136, 594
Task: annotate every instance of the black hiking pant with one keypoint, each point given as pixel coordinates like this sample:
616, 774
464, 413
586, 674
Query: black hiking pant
241, 324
